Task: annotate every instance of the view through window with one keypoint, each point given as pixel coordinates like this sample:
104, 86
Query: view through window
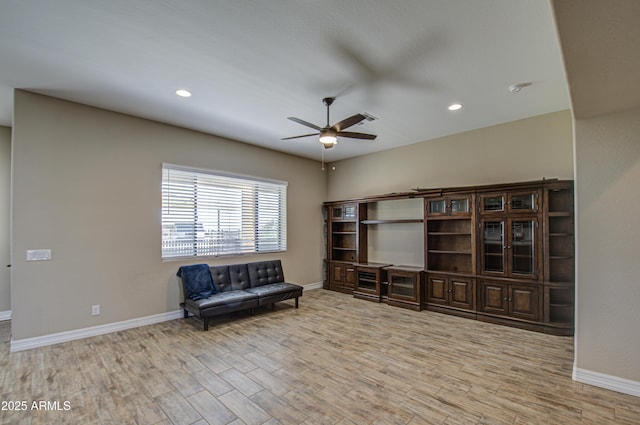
209, 213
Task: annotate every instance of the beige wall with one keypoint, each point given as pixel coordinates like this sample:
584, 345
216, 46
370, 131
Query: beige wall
608, 273
5, 189
87, 185
521, 150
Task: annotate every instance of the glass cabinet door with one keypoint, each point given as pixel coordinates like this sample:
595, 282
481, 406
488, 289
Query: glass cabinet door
522, 247
437, 206
350, 212
523, 202
449, 206
344, 212
511, 202
367, 281
492, 203
493, 246
459, 205
403, 286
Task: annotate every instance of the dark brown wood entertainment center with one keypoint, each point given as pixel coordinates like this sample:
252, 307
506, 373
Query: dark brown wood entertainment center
498, 253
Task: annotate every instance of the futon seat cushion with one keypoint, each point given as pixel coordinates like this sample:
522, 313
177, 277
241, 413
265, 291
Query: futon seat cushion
274, 288
275, 292
225, 299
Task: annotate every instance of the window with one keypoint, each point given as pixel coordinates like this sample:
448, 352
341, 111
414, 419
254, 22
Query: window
210, 213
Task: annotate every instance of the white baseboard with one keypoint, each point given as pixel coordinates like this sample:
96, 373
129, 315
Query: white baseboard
42, 341
5, 315
597, 379
310, 286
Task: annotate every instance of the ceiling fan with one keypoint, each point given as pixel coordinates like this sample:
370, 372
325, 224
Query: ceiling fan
329, 134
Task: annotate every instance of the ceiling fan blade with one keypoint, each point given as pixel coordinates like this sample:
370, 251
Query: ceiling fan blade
353, 135
303, 122
297, 137
348, 122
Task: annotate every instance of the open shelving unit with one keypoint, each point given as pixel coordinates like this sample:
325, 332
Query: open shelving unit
344, 241
501, 253
450, 246
560, 246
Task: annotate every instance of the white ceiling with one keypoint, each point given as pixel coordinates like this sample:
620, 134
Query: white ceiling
252, 63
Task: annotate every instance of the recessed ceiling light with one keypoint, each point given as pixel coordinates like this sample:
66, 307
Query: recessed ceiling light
183, 93
455, 106
515, 88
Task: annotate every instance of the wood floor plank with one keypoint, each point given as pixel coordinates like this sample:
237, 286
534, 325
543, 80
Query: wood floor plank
178, 409
246, 410
211, 410
275, 406
241, 382
212, 382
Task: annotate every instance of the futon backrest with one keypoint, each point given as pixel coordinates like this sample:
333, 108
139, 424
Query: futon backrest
265, 272
220, 276
230, 278
239, 276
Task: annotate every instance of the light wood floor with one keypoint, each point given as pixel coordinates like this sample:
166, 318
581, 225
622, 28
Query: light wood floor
335, 360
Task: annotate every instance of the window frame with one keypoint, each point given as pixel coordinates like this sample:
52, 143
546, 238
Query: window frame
243, 208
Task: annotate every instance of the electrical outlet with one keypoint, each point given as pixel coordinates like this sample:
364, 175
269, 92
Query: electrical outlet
95, 310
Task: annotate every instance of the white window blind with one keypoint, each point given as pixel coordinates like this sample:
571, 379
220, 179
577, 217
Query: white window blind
210, 213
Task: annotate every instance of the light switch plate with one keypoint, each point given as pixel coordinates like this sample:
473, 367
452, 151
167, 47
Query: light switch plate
38, 254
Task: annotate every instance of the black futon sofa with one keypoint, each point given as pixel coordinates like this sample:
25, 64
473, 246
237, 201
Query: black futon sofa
213, 290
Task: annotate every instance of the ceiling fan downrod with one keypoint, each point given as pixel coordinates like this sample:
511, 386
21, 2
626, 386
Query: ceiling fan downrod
328, 101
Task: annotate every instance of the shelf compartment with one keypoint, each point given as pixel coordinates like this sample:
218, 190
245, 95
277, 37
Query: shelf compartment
561, 313
561, 225
561, 295
561, 246
450, 261
344, 227
455, 226
561, 269
456, 243
342, 241
560, 201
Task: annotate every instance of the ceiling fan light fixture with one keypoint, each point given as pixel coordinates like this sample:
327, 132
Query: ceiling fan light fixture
328, 138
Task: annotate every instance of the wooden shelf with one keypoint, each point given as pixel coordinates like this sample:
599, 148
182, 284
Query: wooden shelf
407, 220
449, 234
438, 251
560, 214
